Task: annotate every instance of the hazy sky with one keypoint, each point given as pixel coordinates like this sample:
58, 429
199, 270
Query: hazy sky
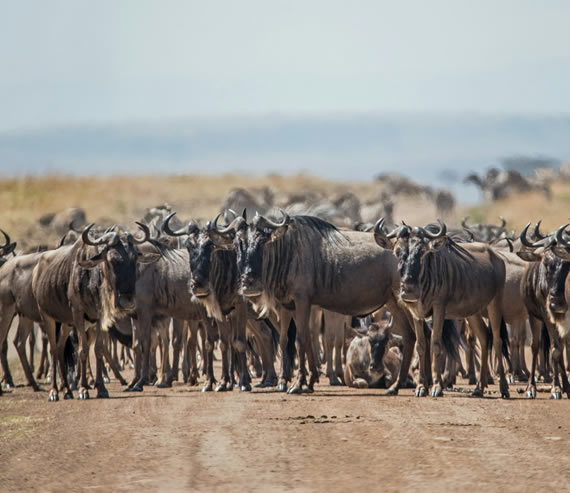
64, 62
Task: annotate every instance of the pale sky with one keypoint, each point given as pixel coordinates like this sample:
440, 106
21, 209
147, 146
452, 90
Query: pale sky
75, 61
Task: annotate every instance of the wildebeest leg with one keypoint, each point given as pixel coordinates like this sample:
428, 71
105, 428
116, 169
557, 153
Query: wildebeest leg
436, 350
193, 328
163, 327
329, 336
25, 329
557, 363
7, 378
7, 313
305, 347
211, 335
421, 346
32, 347
112, 361
285, 344
404, 326
224, 330
43, 368
238, 320
143, 333
535, 327
471, 354
102, 392
263, 335
518, 336
49, 327
178, 333
61, 363
338, 342
479, 329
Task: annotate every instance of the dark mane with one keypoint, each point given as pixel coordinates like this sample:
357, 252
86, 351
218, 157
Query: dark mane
323, 228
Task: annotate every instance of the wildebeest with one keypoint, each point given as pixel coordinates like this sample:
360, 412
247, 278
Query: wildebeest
214, 282
546, 291
93, 281
370, 359
302, 261
445, 279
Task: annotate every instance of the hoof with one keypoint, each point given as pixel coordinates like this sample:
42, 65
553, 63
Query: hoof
245, 388
163, 385
391, 391
556, 395
307, 389
53, 397
229, 386
335, 383
83, 395
136, 388
472, 381
421, 391
531, 393
504, 394
295, 389
103, 394
436, 391
106, 380
220, 388
510, 378
282, 387
207, 388
477, 393
68, 395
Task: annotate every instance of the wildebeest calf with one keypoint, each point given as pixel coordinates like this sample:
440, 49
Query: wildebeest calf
371, 361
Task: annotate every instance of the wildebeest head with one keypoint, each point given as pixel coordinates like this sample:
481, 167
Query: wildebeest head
411, 245
200, 250
379, 337
118, 258
260, 232
7, 248
553, 251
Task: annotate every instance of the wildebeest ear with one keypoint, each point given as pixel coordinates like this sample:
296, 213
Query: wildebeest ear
89, 263
278, 233
529, 256
437, 243
222, 241
147, 257
384, 242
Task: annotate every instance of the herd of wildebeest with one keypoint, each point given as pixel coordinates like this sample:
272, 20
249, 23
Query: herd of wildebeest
383, 305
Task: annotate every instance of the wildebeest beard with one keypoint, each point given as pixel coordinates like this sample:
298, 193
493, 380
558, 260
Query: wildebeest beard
299, 250
117, 287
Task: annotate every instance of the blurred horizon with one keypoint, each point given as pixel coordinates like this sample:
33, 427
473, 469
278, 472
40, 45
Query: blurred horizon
430, 90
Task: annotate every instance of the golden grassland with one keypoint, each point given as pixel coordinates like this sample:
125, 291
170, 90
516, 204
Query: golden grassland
123, 199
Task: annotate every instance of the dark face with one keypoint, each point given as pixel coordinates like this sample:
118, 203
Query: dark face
250, 259
556, 271
379, 340
121, 264
200, 252
410, 252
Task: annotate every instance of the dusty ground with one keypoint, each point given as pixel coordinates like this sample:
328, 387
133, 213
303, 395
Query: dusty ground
337, 439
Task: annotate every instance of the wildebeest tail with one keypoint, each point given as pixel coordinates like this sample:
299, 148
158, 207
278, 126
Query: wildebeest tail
274, 334
451, 340
291, 349
505, 342
126, 339
545, 341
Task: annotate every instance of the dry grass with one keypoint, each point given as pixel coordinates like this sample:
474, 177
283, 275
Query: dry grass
123, 199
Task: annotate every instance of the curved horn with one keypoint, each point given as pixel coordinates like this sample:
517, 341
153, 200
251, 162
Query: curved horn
275, 225
526, 242
7, 238
244, 213
442, 231
228, 229
168, 231
537, 233
559, 235
89, 241
503, 222
379, 227
146, 232
233, 212
464, 222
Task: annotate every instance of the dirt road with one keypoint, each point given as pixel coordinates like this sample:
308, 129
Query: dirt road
336, 439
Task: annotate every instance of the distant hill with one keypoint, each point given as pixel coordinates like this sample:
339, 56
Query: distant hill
436, 149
